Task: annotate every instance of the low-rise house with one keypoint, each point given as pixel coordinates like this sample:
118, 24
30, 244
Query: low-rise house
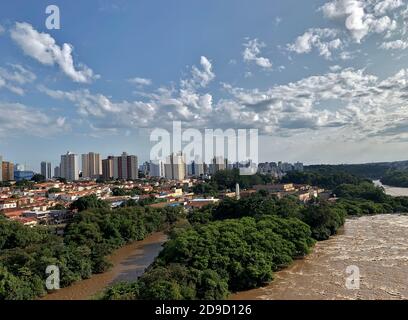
8, 204
12, 213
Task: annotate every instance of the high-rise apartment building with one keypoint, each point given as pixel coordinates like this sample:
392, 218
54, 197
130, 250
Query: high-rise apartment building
175, 167
7, 171
69, 167
195, 169
128, 167
91, 165
124, 167
218, 163
157, 168
43, 169
1, 168
57, 172
49, 170
46, 170
107, 168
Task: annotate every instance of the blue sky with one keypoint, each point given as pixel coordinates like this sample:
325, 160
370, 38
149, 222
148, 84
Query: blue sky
323, 81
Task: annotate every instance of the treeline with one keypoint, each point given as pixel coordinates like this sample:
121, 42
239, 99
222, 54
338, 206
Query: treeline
322, 218
92, 235
365, 198
368, 170
327, 180
395, 178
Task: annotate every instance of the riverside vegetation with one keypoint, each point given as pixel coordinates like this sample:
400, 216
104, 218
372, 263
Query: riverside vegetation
93, 234
238, 244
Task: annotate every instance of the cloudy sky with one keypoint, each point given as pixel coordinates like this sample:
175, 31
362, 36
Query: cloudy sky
323, 81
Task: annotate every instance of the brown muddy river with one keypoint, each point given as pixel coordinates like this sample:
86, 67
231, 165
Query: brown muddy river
377, 245
129, 262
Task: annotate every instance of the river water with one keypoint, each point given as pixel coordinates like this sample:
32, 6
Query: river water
129, 262
392, 191
377, 245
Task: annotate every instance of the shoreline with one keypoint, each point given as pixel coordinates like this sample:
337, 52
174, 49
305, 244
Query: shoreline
322, 275
129, 262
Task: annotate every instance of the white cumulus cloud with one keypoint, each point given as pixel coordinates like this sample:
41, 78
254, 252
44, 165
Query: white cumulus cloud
43, 48
324, 40
252, 53
394, 45
361, 17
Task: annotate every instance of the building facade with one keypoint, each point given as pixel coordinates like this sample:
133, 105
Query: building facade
20, 175
157, 169
46, 170
107, 168
124, 167
7, 171
69, 167
57, 172
1, 168
91, 165
175, 167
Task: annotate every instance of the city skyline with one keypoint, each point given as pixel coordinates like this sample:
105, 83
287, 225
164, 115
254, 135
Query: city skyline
325, 83
175, 166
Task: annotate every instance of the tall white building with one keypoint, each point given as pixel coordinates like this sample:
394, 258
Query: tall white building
91, 165
69, 168
175, 167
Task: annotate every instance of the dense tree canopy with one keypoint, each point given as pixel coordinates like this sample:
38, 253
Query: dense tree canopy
208, 261
93, 234
396, 178
89, 202
324, 180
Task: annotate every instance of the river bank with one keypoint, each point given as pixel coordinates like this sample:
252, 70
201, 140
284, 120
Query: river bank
392, 191
377, 245
129, 262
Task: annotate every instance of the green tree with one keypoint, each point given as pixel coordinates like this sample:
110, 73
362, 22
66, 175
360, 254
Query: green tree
89, 202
